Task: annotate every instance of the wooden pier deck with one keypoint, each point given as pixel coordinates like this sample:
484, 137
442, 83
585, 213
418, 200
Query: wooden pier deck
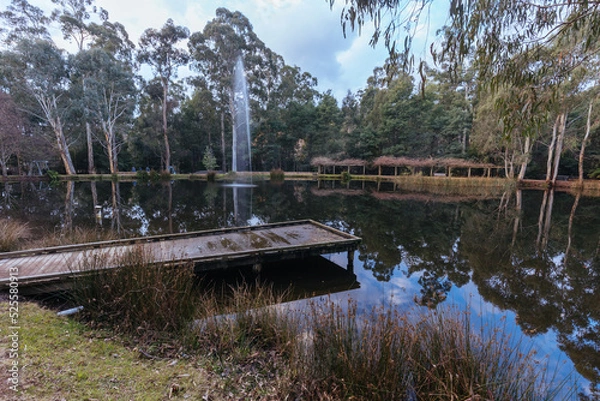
207, 250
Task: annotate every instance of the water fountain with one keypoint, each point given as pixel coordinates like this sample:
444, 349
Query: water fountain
241, 157
241, 149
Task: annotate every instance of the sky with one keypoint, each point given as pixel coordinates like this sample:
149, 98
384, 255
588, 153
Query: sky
307, 33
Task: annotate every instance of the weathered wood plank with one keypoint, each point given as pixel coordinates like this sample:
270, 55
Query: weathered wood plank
206, 249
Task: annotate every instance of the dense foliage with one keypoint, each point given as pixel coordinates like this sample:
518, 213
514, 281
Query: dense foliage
99, 114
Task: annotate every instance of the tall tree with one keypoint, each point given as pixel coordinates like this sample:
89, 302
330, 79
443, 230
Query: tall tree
110, 95
158, 48
215, 51
73, 18
24, 21
36, 70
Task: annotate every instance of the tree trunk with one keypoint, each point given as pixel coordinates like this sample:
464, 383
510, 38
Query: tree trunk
88, 135
588, 128
167, 157
551, 149
50, 108
525, 162
90, 148
63, 148
223, 150
559, 145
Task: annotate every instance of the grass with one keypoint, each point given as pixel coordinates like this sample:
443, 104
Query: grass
140, 298
77, 235
65, 359
384, 355
474, 186
12, 234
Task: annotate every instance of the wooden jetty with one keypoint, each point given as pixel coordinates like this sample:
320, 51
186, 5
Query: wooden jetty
206, 250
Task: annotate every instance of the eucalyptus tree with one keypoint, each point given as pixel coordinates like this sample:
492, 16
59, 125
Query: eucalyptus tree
23, 20
215, 51
36, 73
109, 96
74, 18
158, 48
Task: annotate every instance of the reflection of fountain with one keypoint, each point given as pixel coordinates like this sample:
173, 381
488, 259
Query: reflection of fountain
241, 157
242, 204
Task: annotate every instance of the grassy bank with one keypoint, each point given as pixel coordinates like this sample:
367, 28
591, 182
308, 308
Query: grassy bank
153, 333
253, 357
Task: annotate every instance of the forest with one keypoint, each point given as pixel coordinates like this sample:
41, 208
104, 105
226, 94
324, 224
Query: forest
91, 110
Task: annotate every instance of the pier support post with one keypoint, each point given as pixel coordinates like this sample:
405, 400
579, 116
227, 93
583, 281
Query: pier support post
350, 265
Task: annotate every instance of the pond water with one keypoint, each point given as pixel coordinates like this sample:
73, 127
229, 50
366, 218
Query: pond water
528, 259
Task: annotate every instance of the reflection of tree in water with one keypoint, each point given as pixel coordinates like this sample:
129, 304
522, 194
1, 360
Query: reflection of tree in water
435, 290
423, 236
535, 278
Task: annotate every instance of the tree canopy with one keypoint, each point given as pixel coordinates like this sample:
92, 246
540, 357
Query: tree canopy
512, 83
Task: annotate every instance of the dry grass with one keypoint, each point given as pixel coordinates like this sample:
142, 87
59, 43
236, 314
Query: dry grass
13, 235
386, 356
77, 235
140, 298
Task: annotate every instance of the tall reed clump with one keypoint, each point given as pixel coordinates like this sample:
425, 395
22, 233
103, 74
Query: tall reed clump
241, 320
12, 234
145, 299
78, 235
384, 355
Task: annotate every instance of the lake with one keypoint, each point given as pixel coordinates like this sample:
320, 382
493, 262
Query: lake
528, 260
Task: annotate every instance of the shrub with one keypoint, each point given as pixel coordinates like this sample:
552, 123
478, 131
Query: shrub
142, 175
277, 174
53, 176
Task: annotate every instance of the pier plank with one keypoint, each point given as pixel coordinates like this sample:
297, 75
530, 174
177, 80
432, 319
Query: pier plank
207, 250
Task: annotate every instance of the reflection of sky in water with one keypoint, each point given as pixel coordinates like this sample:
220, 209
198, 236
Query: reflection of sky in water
400, 292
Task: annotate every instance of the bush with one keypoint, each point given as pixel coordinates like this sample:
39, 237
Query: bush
53, 176
277, 174
142, 175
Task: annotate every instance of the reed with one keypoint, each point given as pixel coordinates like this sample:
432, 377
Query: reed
325, 350
244, 319
141, 298
12, 234
474, 186
77, 235
384, 355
